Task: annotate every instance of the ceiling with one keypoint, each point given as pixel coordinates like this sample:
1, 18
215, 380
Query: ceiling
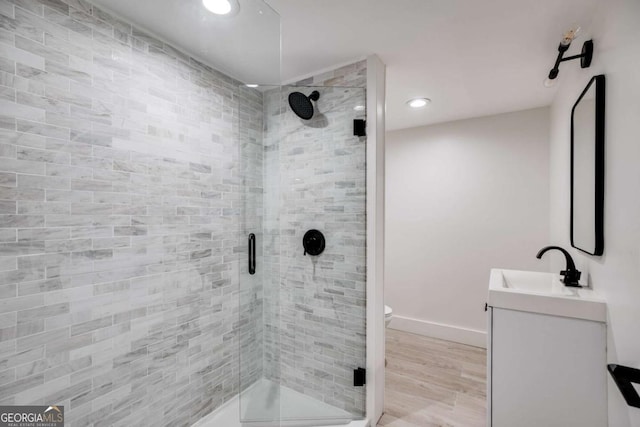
245, 45
471, 57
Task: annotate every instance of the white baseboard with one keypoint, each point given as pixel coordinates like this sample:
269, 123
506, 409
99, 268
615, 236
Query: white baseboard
438, 330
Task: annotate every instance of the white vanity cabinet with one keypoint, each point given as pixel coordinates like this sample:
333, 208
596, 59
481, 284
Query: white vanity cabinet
545, 369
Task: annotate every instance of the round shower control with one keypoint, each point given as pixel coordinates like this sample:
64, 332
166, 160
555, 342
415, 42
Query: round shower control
313, 242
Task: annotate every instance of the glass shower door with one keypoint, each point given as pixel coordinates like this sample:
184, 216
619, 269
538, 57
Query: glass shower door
305, 315
322, 298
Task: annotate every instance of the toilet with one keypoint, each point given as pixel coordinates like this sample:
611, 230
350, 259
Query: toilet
388, 314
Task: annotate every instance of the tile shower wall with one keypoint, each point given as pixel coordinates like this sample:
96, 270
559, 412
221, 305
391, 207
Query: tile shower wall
121, 220
315, 178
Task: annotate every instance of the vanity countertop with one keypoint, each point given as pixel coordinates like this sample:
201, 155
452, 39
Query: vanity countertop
543, 293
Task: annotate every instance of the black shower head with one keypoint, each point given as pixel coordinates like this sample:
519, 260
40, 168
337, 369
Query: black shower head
301, 104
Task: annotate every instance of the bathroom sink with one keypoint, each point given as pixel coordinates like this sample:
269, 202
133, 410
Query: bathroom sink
543, 293
528, 281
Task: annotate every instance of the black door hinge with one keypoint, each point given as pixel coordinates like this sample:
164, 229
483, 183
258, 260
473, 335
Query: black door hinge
359, 127
359, 377
486, 306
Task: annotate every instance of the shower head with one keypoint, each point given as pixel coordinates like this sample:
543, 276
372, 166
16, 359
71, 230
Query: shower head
301, 103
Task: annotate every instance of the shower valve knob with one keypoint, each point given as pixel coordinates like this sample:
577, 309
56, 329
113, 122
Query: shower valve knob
313, 242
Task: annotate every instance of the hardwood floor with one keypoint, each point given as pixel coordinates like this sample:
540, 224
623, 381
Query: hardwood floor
433, 383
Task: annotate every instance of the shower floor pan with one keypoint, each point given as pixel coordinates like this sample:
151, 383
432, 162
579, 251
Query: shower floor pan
267, 404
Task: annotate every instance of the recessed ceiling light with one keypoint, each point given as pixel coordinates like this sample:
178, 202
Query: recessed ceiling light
418, 102
219, 7
359, 108
251, 85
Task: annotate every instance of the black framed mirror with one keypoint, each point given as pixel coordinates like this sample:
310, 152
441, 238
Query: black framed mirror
587, 168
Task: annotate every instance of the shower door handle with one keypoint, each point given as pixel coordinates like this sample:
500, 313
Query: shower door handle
252, 253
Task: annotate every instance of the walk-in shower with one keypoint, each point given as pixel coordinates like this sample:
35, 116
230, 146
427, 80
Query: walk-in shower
155, 189
304, 313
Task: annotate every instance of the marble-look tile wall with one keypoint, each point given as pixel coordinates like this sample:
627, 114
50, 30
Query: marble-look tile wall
122, 221
315, 177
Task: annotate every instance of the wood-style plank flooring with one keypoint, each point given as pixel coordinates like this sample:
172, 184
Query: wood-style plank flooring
433, 383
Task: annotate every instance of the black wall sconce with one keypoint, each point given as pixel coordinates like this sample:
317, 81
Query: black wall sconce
585, 57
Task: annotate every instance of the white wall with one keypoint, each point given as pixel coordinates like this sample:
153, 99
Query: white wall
616, 275
462, 197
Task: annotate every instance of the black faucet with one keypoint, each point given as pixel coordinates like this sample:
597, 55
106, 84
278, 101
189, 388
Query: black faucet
571, 275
